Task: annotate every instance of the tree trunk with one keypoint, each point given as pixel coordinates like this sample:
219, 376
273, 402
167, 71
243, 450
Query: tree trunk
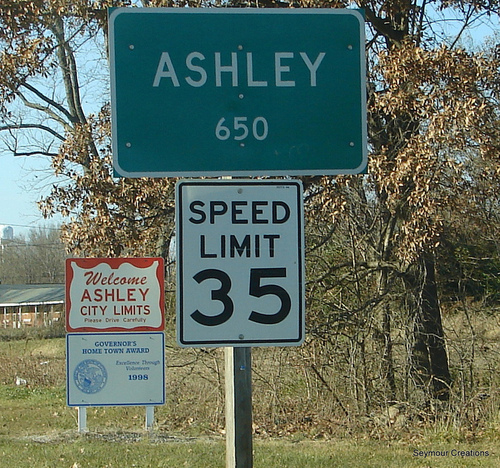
429, 356
387, 359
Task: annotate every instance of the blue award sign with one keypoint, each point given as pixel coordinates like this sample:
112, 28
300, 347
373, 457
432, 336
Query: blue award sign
115, 369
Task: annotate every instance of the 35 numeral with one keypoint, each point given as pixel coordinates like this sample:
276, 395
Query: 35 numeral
256, 289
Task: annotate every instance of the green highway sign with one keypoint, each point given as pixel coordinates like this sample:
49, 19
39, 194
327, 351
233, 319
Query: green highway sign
241, 92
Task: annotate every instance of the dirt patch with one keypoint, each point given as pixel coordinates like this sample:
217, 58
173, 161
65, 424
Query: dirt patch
114, 437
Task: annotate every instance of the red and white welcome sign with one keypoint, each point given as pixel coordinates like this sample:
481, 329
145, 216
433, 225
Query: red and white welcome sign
115, 294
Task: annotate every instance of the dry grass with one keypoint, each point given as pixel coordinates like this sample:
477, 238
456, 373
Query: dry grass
298, 392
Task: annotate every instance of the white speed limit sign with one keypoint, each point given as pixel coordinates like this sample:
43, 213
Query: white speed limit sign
240, 263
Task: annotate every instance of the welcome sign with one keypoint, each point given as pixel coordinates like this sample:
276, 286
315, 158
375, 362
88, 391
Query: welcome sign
114, 294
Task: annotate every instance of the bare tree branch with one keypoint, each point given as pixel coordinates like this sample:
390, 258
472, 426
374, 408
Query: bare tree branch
33, 153
46, 109
68, 67
35, 126
49, 101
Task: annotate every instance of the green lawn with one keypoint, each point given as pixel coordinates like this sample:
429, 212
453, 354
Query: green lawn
143, 450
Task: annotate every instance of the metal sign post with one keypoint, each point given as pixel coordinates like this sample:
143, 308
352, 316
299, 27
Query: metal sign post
150, 418
238, 372
82, 418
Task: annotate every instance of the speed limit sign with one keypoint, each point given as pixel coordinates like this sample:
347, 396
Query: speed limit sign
240, 263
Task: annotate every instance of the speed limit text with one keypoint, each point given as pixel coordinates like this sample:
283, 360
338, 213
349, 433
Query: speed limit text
239, 212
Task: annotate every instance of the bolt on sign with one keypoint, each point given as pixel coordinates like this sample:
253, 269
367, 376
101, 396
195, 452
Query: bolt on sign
114, 294
207, 91
240, 263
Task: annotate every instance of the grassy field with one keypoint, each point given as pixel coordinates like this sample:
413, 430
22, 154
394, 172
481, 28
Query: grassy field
90, 452
37, 429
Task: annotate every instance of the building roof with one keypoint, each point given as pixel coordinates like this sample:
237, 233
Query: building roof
12, 295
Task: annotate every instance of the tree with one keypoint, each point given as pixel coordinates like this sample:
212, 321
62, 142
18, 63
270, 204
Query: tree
433, 114
42, 43
37, 258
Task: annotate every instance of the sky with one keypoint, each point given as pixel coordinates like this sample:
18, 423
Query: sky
23, 180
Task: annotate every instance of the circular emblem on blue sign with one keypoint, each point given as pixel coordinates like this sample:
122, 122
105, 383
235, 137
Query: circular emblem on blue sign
90, 376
